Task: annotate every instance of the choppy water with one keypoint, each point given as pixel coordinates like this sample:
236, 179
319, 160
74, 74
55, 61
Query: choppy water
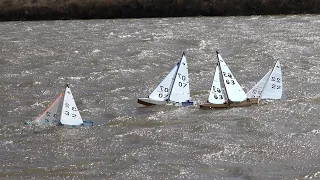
110, 63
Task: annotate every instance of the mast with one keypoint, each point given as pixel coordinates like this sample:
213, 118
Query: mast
174, 77
222, 78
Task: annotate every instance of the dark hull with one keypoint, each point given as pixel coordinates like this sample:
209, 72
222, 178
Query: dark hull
246, 103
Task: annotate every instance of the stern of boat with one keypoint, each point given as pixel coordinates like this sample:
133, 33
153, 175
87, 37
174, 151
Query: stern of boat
188, 103
87, 123
253, 100
246, 103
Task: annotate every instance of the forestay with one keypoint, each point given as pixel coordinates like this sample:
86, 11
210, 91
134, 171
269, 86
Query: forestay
216, 94
52, 113
180, 91
70, 114
162, 91
234, 90
256, 91
273, 88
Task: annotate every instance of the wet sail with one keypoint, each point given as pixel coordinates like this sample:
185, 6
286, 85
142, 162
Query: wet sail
52, 114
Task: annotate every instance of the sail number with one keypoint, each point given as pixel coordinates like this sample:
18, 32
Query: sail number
48, 114
163, 89
255, 91
67, 113
218, 90
218, 97
161, 95
227, 75
275, 79
230, 82
183, 78
67, 105
181, 84
273, 86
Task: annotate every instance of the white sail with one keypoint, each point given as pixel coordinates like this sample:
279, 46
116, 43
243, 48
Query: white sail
216, 94
180, 91
273, 88
52, 114
234, 90
256, 91
162, 91
70, 114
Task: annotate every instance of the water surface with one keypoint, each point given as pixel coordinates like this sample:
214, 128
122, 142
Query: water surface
110, 63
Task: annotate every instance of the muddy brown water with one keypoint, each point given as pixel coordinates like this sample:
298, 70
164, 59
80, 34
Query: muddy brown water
110, 63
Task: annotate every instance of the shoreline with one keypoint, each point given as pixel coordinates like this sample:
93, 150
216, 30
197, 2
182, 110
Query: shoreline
29, 10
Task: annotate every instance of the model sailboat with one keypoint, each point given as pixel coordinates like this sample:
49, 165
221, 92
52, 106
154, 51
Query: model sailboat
62, 111
173, 89
270, 86
234, 95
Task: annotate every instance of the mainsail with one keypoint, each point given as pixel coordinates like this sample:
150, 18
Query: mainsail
70, 114
234, 90
273, 88
180, 91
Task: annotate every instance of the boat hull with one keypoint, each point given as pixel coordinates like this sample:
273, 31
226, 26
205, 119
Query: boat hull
246, 103
29, 122
183, 104
151, 102
87, 123
213, 106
